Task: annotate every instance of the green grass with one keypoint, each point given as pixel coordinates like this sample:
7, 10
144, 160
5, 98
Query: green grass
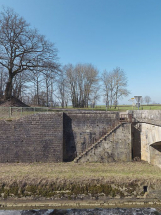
17, 113
119, 108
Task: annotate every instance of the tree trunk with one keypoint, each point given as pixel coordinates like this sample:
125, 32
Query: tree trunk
8, 90
47, 96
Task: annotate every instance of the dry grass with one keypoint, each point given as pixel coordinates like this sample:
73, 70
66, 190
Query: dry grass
47, 172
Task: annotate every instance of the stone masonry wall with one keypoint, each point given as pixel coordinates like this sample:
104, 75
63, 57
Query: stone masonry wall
82, 129
146, 142
114, 147
147, 116
35, 138
151, 143
136, 140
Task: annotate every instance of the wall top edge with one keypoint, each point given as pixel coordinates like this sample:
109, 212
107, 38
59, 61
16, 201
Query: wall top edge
91, 112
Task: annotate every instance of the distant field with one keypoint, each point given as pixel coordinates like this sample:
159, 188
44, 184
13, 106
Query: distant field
123, 108
18, 112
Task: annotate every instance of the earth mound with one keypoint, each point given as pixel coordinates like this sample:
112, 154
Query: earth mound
13, 102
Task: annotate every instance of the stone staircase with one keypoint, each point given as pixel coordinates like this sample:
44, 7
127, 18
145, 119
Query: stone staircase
103, 138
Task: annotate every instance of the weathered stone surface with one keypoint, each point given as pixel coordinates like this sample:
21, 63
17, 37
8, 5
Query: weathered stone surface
116, 146
57, 137
52, 137
147, 116
82, 129
35, 138
151, 143
146, 142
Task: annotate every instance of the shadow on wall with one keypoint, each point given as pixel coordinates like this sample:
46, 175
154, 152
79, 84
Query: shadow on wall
155, 154
136, 141
69, 147
157, 146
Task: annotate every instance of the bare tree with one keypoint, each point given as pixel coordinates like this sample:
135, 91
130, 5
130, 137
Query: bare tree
22, 48
48, 77
3, 80
147, 99
120, 83
36, 82
82, 79
108, 86
114, 85
63, 88
95, 96
20, 85
142, 100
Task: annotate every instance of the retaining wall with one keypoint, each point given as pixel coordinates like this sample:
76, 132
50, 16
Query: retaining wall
151, 144
146, 142
35, 138
82, 129
147, 116
116, 146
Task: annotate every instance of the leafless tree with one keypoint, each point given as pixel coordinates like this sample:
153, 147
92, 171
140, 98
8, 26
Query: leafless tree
120, 83
82, 79
142, 100
48, 77
20, 85
108, 86
147, 99
22, 48
3, 80
114, 85
63, 88
36, 83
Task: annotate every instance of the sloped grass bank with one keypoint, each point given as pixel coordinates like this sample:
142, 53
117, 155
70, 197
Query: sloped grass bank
71, 181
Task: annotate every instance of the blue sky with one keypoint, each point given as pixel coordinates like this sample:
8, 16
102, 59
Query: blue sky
105, 33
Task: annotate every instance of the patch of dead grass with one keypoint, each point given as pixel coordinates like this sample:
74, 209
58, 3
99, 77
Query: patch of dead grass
47, 172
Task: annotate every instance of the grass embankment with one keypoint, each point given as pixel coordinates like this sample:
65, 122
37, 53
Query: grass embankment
74, 171
70, 180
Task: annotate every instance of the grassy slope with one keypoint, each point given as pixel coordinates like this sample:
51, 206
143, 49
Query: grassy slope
70, 180
120, 172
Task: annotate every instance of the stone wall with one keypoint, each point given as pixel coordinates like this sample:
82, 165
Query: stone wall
57, 137
147, 116
151, 143
82, 129
136, 140
52, 137
146, 142
35, 138
116, 146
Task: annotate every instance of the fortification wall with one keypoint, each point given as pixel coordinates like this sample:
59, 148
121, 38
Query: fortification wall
35, 138
151, 144
116, 146
82, 129
57, 137
136, 140
146, 142
147, 116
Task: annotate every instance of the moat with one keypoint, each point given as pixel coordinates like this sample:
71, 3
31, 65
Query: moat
97, 211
